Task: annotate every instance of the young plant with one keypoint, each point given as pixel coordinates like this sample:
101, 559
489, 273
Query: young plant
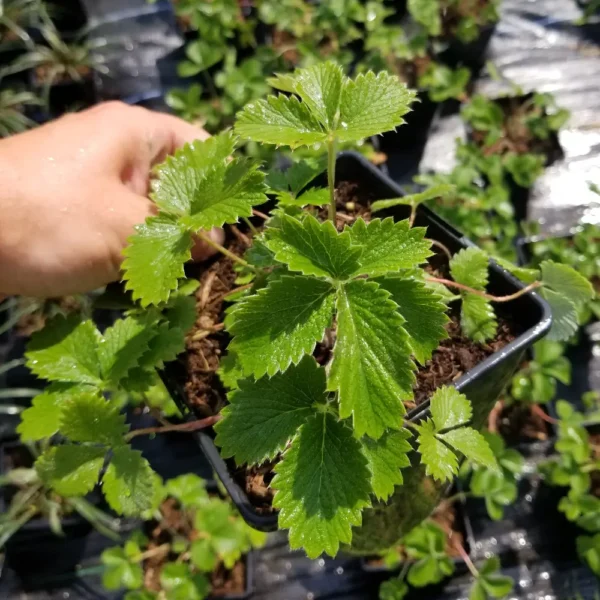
454, 18
12, 111
15, 16
497, 487
87, 370
186, 540
32, 498
56, 60
575, 466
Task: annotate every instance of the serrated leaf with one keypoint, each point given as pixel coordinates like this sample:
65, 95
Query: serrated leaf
129, 482
280, 120
120, 571
477, 318
88, 417
71, 470
435, 191
440, 462
181, 311
262, 416
565, 321
322, 486
65, 350
470, 267
386, 456
154, 259
372, 104
189, 489
42, 419
450, 408
428, 14
320, 87
179, 176
312, 197
226, 192
164, 346
564, 280
203, 556
301, 173
423, 311
388, 247
472, 444
313, 248
280, 324
123, 345
371, 368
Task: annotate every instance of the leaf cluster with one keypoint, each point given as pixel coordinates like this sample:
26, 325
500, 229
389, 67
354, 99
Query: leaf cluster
210, 534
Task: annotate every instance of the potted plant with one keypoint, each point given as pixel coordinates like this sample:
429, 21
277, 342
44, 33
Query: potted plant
34, 513
61, 71
464, 28
13, 105
193, 545
393, 430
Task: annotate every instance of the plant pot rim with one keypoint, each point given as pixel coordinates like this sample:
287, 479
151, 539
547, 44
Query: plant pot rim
268, 522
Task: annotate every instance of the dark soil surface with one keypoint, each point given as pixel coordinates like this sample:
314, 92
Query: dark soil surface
517, 423
517, 136
224, 582
206, 342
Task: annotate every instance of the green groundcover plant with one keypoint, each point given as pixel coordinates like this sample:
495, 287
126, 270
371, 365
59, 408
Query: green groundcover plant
337, 431
205, 535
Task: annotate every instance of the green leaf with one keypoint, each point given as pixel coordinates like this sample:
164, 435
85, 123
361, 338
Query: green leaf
428, 14
394, 589
119, 571
588, 548
280, 120
567, 282
431, 193
226, 192
372, 104
472, 444
181, 311
424, 312
450, 408
42, 419
296, 177
322, 485
439, 460
321, 88
371, 368
189, 489
154, 259
65, 350
280, 324
565, 321
388, 247
71, 470
477, 318
470, 267
90, 418
263, 416
129, 482
123, 345
312, 197
180, 175
386, 456
313, 248
203, 556
494, 584
164, 346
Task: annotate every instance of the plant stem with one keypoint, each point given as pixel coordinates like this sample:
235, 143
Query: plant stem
249, 223
186, 427
441, 246
463, 554
262, 215
537, 410
460, 286
331, 177
457, 496
413, 214
224, 251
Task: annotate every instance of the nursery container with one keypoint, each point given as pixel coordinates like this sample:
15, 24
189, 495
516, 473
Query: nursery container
385, 523
34, 548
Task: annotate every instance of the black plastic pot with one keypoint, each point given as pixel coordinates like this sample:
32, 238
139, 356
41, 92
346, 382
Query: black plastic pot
482, 385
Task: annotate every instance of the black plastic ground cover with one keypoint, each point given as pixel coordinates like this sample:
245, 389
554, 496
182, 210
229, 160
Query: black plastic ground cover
482, 385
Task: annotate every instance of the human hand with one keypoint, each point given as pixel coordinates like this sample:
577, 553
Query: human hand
72, 191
